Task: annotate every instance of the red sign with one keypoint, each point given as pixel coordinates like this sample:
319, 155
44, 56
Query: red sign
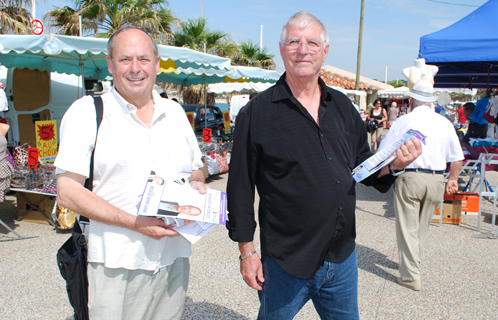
37, 27
206, 135
33, 159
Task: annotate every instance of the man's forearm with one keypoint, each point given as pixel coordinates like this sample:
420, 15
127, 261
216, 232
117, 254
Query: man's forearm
455, 170
72, 195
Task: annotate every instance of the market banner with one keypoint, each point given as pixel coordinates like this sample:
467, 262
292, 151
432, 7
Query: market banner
190, 116
226, 122
46, 140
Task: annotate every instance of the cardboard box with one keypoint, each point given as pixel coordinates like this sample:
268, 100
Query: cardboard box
470, 201
452, 212
26, 210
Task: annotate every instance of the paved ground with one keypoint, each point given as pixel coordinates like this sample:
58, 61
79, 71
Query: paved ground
460, 273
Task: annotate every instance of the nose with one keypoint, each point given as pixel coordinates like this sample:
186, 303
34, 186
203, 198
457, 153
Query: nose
303, 48
135, 66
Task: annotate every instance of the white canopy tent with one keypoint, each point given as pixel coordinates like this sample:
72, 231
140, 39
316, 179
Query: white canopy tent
237, 87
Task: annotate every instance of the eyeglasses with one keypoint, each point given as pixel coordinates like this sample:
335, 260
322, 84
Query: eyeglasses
312, 46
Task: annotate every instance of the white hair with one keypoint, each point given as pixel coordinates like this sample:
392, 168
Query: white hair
303, 19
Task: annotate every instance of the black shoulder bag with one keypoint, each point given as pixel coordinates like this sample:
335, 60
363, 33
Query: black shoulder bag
72, 256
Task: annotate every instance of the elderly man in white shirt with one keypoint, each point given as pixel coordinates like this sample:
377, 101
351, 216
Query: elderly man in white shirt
418, 191
138, 266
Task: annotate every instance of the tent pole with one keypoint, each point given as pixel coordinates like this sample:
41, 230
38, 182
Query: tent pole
82, 78
205, 103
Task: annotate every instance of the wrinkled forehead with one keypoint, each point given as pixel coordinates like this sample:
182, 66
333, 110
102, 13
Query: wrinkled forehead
305, 28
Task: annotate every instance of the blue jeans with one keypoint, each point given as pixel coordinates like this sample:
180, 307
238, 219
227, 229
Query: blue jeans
333, 290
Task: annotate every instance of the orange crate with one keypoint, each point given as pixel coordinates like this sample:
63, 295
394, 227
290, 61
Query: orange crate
470, 201
452, 210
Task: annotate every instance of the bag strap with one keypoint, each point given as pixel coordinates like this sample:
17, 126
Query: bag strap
99, 109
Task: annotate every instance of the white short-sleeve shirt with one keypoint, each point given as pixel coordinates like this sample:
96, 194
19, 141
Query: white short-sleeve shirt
441, 145
126, 152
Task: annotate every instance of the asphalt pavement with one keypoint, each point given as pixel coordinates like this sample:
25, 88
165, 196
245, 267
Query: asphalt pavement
459, 272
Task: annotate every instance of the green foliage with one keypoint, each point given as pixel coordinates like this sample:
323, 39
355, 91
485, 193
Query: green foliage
14, 18
110, 15
248, 54
397, 83
194, 34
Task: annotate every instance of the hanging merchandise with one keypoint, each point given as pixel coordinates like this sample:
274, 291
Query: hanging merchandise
212, 162
222, 161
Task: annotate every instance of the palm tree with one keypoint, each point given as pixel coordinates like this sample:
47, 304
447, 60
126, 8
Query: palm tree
110, 15
67, 19
250, 55
195, 35
14, 19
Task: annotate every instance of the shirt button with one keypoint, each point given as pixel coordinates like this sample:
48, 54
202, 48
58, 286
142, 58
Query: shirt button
330, 158
338, 182
321, 135
340, 208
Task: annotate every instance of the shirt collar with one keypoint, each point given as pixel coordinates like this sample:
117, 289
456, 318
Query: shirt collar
282, 90
128, 108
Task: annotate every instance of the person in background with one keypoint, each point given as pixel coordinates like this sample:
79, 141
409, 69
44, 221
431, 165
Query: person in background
379, 114
419, 190
440, 109
474, 130
297, 143
6, 169
138, 266
462, 119
164, 95
393, 113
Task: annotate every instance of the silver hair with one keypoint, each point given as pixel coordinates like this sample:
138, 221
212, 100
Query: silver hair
303, 19
110, 44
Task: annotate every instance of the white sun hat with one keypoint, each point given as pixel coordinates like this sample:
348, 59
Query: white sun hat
423, 91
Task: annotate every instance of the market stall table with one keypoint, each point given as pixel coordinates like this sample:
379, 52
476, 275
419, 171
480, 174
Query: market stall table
33, 201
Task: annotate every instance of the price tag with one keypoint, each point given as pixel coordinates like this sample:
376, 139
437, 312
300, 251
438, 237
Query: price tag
33, 159
206, 135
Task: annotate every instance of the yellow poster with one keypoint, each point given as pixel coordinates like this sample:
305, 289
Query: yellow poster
46, 140
190, 116
226, 122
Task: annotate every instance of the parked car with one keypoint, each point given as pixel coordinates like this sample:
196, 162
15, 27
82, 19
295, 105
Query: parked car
214, 119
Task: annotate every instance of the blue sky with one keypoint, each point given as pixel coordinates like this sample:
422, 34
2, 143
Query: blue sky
391, 28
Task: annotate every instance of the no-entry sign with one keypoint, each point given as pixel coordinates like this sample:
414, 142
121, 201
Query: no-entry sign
37, 27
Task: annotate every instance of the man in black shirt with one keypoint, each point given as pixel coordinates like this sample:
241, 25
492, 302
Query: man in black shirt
298, 142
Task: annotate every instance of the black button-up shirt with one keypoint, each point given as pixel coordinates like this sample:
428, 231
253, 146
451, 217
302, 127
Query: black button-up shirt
302, 172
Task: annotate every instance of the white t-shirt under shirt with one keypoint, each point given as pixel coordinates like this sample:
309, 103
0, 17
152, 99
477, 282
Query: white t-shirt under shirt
441, 145
126, 152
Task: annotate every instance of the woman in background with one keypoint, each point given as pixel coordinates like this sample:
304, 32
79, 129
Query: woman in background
6, 169
377, 113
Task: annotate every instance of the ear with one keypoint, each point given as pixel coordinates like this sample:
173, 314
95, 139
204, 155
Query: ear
109, 64
326, 51
158, 64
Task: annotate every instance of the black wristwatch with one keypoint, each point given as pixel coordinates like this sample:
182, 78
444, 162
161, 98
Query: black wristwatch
395, 174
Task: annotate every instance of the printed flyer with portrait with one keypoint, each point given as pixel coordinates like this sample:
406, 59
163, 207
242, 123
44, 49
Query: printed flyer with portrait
175, 202
383, 157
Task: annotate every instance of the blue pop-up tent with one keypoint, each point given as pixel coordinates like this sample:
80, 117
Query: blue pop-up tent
467, 51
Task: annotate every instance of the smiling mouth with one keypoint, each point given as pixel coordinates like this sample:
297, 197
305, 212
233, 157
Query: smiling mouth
136, 80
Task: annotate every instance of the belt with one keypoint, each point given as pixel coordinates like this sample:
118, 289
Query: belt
425, 171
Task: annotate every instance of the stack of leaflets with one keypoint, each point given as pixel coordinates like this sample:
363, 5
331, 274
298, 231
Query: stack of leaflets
383, 157
175, 202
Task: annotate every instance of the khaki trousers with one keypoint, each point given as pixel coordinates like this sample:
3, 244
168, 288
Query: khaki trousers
375, 138
137, 294
416, 196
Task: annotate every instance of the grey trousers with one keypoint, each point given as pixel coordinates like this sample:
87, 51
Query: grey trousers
137, 294
416, 196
